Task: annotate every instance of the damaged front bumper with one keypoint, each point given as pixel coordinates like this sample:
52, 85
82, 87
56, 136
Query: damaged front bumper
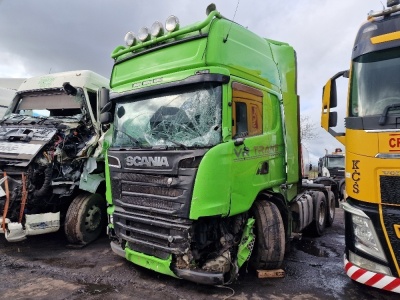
35, 224
163, 266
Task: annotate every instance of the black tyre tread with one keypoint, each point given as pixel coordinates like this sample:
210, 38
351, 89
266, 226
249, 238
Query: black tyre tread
315, 229
269, 249
331, 202
73, 223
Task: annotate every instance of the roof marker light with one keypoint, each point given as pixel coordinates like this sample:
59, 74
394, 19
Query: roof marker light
157, 29
172, 24
130, 39
143, 34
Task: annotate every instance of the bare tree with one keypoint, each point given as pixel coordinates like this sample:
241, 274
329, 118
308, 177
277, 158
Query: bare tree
308, 129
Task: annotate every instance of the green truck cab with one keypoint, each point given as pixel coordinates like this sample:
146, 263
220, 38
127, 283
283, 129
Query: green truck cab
203, 161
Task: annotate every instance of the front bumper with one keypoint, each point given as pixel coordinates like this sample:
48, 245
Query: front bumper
376, 280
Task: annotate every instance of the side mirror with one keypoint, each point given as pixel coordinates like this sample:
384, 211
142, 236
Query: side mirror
329, 100
106, 118
310, 168
104, 97
332, 119
333, 95
106, 108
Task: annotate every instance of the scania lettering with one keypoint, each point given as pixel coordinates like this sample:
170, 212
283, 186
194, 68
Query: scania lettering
371, 137
202, 162
147, 161
51, 160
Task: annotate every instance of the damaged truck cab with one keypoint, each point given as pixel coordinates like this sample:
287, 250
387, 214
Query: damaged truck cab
203, 161
51, 162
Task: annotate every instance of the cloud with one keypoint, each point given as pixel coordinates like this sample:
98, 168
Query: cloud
38, 37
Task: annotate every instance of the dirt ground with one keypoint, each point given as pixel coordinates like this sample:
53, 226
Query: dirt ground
43, 267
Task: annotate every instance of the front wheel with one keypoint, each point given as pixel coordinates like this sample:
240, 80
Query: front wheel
85, 219
269, 247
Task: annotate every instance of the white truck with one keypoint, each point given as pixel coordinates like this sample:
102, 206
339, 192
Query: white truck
51, 163
8, 87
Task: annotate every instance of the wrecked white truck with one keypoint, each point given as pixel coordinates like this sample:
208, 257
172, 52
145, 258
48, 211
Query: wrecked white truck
51, 162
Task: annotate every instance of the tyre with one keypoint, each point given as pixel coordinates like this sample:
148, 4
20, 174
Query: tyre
331, 209
317, 227
85, 219
342, 192
269, 247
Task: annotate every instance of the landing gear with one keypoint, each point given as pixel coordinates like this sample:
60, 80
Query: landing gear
85, 219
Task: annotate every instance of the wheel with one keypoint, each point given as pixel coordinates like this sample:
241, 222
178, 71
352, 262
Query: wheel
342, 196
269, 247
330, 212
317, 226
85, 219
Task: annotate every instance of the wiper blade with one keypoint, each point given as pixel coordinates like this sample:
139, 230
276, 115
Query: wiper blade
178, 144
131, 138
382, 119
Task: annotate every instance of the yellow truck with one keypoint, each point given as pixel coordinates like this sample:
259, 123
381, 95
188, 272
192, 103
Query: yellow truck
372, 140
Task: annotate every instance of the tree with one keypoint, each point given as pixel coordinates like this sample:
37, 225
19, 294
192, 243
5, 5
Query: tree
308, 129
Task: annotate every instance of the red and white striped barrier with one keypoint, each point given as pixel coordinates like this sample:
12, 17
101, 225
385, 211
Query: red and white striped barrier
376, 280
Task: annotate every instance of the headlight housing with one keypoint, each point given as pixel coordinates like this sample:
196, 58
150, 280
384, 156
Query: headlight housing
364, 232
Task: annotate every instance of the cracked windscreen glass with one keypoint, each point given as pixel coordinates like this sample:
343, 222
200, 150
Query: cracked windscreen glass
182, 117
375, 83
49, 104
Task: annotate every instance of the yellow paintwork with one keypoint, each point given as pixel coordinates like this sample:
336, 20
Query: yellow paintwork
386, 37
363, 168
326, 106
397, 230
389, 142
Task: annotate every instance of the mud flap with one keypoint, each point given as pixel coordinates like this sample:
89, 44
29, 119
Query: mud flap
42, 223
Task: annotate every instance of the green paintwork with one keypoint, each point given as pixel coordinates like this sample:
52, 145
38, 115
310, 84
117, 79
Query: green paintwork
150, 262
228, 180
247, 242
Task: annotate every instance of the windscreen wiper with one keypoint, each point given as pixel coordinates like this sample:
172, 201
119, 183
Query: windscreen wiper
382, 119
131, 138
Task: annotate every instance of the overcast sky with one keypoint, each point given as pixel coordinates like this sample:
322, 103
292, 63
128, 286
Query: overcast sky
48, 36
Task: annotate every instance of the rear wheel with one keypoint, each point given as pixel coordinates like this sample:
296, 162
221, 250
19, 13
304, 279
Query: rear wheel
85, 219
269, 248
330, 213
317, 227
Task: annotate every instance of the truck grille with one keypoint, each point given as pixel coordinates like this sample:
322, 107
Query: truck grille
391, 217
390, 189
152, 211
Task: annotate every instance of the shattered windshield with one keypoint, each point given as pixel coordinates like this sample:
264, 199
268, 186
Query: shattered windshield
49, 104
184, 117
375, 83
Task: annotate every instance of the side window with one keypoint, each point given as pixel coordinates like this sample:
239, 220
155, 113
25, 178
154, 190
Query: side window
241, 119
247, 119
